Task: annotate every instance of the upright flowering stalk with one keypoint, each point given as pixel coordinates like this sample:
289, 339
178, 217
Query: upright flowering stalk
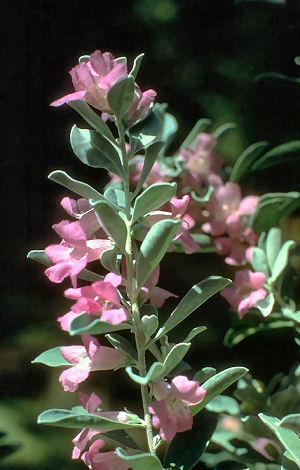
127, 232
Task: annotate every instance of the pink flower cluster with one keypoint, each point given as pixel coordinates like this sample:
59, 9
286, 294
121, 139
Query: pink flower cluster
225, 216
93, 78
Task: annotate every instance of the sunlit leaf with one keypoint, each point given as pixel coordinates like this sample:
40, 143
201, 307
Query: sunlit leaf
77, 419
196, 296
152, 198
154, 247
215, 385
52, 357
95, 150
92, 118
120, 96
288, 438
89, 324
141, 461
112, 222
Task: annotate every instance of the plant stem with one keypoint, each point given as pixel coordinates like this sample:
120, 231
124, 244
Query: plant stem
131, 289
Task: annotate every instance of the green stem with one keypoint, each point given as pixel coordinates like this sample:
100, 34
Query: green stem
131, 290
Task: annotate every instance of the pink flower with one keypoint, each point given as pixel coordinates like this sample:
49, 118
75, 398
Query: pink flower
71, 256
171, 413
156, 295
224, 201
156, 175
91, 404
92, 80
82, 210
86, 359
141, 105
100, 298
97, 460
178, 207
247, 291
200, 161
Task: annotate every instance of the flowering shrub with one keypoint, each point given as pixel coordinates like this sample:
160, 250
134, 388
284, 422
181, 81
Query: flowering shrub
157, 203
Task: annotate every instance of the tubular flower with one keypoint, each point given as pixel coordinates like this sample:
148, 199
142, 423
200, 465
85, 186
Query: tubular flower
71, 256
91, 404
247, 291
178, 207
171, 413
200, 161
93, 78
100, 298
97, 460
87, 358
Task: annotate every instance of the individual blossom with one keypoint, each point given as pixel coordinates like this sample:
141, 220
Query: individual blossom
229, 216
178, 208
97, 460
71, 256
200, 161
156, 174
92, 403
101, 298
88, 358
81, 210
171, 412
93, 78
247, 291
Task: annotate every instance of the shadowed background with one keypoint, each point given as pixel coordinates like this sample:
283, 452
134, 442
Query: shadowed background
202, 57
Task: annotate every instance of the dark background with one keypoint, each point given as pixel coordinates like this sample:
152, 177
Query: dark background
202, 57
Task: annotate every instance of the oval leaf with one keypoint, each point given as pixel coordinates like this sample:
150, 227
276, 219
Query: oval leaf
154, 247
92, 118
81, 419
150, 157
196, 296
78, 187
112, 222
288, 438
88, 324
120, 96
174, 356
140, 461
273, 244
95, 150
154, 373
152, 198
217, 384
282, 259
52, 357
